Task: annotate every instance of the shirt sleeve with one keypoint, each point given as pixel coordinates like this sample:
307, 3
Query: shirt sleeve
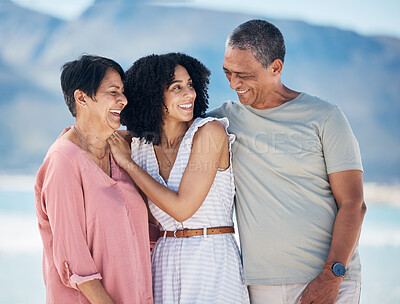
340, 147
217, 112
63, 202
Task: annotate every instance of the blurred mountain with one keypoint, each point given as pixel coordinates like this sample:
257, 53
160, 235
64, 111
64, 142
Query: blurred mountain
361, 74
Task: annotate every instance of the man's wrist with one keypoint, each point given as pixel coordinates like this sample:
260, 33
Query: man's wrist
330, 276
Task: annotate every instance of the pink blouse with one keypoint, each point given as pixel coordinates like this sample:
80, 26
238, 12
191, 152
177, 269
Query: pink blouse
92, 227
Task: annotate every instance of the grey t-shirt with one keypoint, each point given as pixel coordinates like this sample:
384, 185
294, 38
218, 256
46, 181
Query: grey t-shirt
285, 207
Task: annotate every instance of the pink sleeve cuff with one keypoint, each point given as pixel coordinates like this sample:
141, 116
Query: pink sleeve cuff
75, 279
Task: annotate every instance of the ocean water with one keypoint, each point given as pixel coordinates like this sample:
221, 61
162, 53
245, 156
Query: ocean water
21, 279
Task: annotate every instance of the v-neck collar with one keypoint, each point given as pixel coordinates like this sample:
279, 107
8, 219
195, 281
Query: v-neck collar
112, 162
166, 182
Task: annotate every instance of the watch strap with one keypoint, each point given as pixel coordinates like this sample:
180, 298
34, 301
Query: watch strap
328, 266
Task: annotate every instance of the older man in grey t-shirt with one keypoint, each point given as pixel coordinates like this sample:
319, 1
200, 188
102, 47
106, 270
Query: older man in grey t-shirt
298, 174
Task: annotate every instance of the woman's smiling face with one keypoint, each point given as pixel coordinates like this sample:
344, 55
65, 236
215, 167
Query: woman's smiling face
108, 102
179, 97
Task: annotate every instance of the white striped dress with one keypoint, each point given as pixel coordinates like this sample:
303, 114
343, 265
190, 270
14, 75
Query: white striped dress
197, 269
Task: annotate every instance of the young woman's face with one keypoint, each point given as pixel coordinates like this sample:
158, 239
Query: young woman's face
179, 97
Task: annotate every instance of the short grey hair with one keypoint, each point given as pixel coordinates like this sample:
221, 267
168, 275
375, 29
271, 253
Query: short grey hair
263, 39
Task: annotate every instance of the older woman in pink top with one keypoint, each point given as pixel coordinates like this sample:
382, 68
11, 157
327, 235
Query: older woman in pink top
92, 220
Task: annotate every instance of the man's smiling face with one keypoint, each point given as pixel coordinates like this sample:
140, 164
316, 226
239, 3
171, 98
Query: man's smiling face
251, 81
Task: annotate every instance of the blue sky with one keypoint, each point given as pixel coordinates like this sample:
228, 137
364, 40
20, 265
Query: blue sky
368, 17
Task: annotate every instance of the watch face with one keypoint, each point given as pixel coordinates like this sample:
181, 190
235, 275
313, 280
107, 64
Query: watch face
339, 270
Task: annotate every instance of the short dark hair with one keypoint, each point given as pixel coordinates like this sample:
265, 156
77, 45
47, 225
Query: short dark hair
263, 39
145, 84
86, 74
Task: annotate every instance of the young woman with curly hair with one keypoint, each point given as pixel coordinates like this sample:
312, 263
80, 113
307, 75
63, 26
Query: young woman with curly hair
181, 162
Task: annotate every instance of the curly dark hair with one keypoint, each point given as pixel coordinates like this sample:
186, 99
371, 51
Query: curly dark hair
145, 84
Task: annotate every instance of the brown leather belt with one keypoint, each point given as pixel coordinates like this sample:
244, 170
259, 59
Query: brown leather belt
185, 233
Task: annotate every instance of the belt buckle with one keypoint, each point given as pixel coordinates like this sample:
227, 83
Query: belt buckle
183, 233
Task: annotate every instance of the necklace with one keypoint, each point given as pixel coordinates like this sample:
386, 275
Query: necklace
168, 162
86, 144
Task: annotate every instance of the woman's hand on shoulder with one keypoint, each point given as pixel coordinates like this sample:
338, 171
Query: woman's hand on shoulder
120, 150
